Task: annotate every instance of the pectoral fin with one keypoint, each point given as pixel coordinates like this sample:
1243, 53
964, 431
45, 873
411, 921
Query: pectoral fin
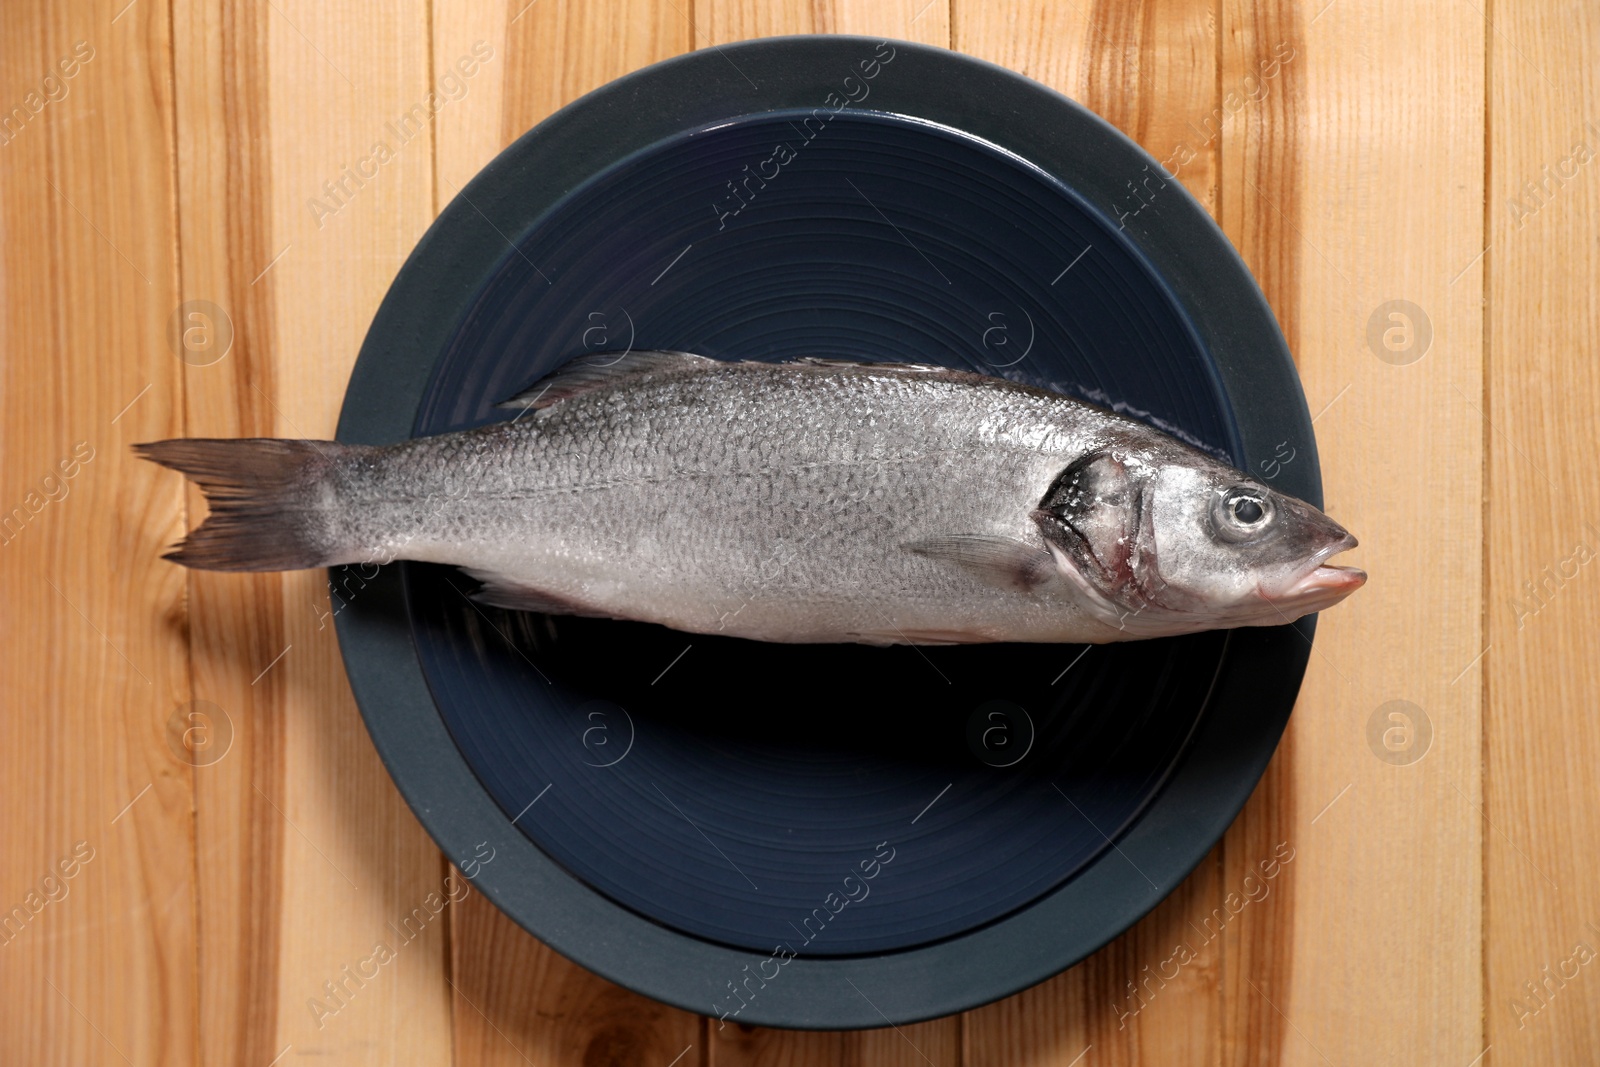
503, 592
1000, 561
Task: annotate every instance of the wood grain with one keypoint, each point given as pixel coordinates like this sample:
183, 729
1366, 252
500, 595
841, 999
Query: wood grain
98, 850
224, 217
724, 21
916, 1045
1387, 933
557, 50
221, 151
1542, 513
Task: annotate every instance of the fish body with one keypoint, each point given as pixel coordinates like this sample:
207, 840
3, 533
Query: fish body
814, 501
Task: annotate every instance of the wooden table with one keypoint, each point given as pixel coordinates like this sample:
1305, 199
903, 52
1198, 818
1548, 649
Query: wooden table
1437, 910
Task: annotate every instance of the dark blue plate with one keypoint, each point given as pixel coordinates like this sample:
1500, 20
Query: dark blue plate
685, 813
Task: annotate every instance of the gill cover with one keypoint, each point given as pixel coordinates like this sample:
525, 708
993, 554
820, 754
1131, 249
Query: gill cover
1096, 519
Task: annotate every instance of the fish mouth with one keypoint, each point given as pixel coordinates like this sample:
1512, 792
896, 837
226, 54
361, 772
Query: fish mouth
1320, 585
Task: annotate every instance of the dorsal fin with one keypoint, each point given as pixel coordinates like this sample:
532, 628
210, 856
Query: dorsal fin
604, 370
871, 364
877, 367
601, 370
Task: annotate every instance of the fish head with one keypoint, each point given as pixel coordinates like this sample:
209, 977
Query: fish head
1171, 541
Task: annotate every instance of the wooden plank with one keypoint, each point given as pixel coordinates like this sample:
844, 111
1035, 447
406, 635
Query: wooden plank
233, 734
96, 937
471, 36
557, 50
348, 184
1387, 900
917, 1045
515, 1000
1543, 522
1151, 69
723, 21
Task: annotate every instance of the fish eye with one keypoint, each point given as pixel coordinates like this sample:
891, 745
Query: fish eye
1241, 513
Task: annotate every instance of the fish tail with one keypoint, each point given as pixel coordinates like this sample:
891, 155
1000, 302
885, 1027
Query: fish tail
270, 501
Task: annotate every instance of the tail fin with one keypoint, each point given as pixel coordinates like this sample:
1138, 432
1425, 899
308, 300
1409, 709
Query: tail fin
268, 510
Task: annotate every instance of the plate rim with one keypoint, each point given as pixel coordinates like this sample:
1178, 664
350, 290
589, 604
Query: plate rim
1253, 693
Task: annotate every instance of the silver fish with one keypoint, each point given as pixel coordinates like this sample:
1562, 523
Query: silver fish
813, 501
